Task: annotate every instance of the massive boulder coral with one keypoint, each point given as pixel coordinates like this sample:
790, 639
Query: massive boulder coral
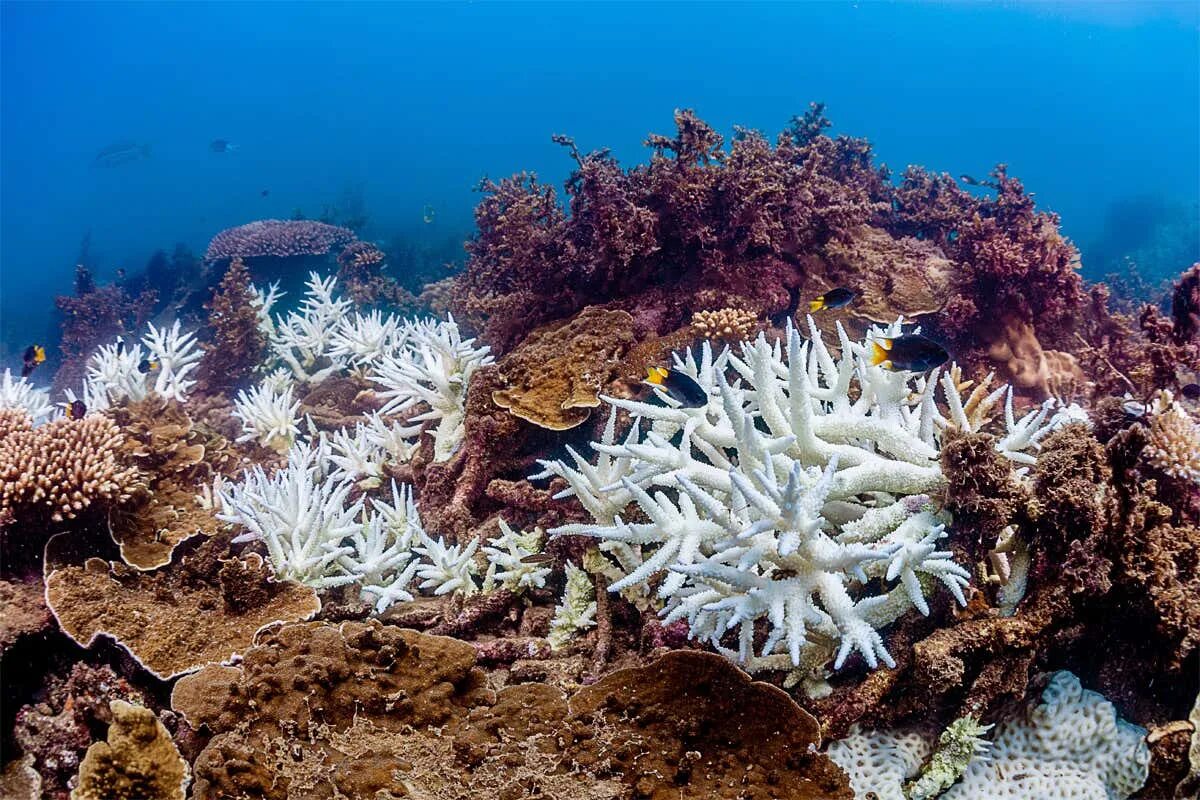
383, 707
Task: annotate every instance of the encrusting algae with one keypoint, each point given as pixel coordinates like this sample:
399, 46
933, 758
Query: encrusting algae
619, 519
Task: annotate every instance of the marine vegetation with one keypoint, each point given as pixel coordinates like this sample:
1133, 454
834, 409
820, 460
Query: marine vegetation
751, 471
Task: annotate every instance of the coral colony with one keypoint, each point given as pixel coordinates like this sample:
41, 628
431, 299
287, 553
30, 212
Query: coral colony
752, 471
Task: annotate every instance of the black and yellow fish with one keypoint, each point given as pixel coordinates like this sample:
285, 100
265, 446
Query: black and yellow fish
911, 352
834, 298
34, 354
683, 388
1190, 391
76, 409
147, 365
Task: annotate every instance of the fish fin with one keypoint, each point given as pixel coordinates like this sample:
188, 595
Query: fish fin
816, 305
26, 370
879, 353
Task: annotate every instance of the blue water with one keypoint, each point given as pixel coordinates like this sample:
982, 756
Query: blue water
1092, 106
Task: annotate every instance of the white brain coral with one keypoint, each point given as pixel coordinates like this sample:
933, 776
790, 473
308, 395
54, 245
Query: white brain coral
797, 495
1071, 745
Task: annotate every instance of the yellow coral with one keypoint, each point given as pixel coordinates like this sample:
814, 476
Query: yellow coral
729, 324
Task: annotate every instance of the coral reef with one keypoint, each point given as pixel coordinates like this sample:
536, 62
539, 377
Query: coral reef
300, 546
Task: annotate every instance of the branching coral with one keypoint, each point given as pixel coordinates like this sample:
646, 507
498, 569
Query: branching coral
268, 416
755, 502
235, 344
432, 373
19, 395
577, 610
1174, 440
64, 467
176, 355
729, 324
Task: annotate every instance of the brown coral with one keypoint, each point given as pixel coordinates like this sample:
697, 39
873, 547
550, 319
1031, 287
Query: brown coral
360, 707
360, 270
555, 377
727, 324
234, 345
178, 618
64, 467
23, 612
138, 762
178, 458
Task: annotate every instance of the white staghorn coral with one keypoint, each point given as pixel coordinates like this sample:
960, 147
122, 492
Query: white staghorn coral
448, 569
356, 457
176, 355
268, 416
363, 340
506, 556
432, 371
20, 394
301, 516
787, 497
382, 561
114, 375
263, 303
303, 340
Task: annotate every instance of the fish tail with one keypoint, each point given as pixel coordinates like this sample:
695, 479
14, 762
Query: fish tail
655, 375
816, 305
879, 353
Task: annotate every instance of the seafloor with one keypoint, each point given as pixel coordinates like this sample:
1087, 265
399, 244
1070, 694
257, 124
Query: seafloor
356, 541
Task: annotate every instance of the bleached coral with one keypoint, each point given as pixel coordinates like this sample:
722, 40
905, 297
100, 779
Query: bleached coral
1071, 745
114, 375
176, 355
20, 394
432, 371
449, 569
303, 339
356, 457
268, 416
382, 560
577, 610
299, 514
957, 746
263, 302
507, 564
364, 339
787, 497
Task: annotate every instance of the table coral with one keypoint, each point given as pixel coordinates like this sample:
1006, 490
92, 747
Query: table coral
175, 619
138, 762
554, 378
277, 239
